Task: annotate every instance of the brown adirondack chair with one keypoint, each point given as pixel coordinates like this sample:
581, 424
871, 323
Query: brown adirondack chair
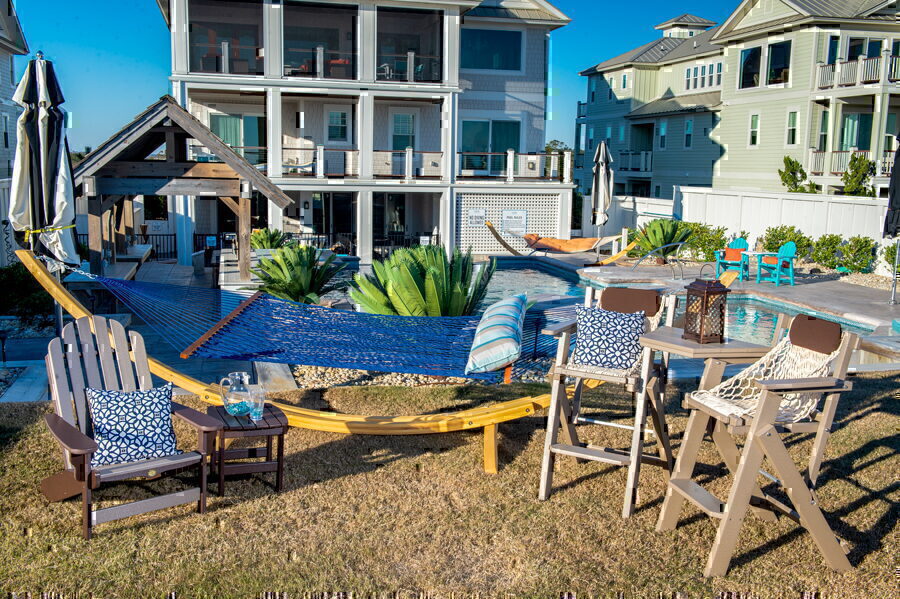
96, 353
641, 380
780, 394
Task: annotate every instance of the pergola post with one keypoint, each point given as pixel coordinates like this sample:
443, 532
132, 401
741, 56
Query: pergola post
95, 234
243, 226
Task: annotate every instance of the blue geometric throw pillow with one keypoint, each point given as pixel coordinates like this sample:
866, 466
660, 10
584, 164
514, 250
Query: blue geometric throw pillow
607, 339
131, 426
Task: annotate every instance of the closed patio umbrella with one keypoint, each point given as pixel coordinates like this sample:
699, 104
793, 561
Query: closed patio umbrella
42, 203
602, 190
892, 220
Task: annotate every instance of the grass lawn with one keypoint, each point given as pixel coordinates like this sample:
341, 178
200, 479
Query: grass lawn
416, 514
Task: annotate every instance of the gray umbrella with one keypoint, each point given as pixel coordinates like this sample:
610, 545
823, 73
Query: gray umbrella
892, 220
42, 203
602, 190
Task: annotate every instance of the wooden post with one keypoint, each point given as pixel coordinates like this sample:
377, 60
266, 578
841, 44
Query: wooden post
95, 233
128, 209
121, 240
243, 223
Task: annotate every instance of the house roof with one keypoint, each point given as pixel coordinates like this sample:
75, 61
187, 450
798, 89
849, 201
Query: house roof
703, 102
146, 133
686, 19
837, 8
521, 14
661, 51
11, 34
694, 46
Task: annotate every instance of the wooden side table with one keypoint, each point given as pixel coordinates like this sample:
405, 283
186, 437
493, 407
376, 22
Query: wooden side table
273, 424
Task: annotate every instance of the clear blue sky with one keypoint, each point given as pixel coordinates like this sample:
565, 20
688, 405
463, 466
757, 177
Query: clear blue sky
113, 58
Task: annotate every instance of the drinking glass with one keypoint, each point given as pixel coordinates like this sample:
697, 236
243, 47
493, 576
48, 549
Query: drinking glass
257, 402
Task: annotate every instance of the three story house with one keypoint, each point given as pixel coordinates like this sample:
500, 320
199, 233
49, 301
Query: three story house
389, 122
721, 106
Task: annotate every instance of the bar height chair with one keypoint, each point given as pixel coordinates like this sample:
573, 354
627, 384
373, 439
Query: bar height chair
778, 395
643, 380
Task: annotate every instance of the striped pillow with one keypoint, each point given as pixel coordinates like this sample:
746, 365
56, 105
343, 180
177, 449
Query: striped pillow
498, 338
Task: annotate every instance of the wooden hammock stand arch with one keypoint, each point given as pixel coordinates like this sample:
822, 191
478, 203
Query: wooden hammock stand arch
486, 417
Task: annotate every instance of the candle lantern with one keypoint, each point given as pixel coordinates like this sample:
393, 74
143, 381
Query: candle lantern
704, 316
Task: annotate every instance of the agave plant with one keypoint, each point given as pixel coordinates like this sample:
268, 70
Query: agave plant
267, 239
423, 281
294, 273
660, 233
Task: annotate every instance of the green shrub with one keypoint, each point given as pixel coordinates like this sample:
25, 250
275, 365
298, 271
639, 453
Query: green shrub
856, 178
888, 255
705, 240
423, 281
660, 232
775, 237
827, 250
267, 239
858, 253
23, 296
294, 273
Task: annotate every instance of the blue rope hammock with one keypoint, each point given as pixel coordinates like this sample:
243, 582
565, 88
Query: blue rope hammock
211, 323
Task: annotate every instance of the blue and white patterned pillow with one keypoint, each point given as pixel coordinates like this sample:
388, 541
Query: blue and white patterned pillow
498, 338
607, 339
131, 426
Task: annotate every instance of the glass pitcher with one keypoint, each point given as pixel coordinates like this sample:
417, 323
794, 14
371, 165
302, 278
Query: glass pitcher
236, 393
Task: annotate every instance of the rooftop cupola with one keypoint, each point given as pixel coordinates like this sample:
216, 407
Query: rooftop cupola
685, 25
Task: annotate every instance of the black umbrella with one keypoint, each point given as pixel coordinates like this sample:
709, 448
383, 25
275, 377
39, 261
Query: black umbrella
892, 220
42, 203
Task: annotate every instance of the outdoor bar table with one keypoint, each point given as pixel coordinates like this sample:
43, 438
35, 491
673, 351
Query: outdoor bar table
669, 341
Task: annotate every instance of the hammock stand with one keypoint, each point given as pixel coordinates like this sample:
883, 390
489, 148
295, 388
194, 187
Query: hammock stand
485, 417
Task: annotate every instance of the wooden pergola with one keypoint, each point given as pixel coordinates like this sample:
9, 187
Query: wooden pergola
126, 165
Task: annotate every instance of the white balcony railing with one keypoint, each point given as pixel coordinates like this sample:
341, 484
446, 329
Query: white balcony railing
635, 161
408, 164
836, 163
320, 162
861, 71
513, 166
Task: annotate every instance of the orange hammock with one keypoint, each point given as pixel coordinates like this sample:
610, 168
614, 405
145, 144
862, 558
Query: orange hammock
551, 245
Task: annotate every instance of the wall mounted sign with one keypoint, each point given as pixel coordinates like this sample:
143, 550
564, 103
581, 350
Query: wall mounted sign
515, 222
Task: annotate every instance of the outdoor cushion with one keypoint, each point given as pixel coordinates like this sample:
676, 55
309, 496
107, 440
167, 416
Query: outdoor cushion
498, 337
733, 254
131, 426
607, 339
773, 261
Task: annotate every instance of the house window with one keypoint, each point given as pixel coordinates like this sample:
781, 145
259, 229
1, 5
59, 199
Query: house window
593, 89
823, 132
621, 133
856, 48
895, 48
493, 137
696, 77
792, 128
687, 79
409, 45
338, 126
608, 133
703, 76
663, 133
750, 67
624, 81
657, 192
890, 132
719, 73
308, 27
834, 48
611, 83
5, 131
403, 131
711, 75
12, 69
491, 49
779, 63
689, 133
754, 130
590, 140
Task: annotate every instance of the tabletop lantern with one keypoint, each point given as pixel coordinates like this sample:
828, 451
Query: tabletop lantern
704, 317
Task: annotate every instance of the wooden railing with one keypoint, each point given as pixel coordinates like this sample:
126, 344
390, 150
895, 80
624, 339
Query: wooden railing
860, 71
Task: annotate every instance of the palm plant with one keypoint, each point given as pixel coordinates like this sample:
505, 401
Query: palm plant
660, 233
294, 273
423, 281
267, 239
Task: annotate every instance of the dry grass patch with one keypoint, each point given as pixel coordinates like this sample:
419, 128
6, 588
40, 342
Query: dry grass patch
384, 514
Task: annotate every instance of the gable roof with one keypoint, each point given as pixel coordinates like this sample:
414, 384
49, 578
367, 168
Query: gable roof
703, 102
686, 19
11, 35
541, 11
661, 51
140, 137
807, 11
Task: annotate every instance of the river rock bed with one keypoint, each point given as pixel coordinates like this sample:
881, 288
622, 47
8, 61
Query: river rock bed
317, 377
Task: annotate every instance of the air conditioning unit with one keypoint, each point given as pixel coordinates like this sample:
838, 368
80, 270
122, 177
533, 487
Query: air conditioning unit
531, 165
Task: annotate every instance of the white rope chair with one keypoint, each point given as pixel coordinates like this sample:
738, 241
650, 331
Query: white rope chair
781, 393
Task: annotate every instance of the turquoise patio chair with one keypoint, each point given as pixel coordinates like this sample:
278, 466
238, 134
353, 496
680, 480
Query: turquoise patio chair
782, 267
742, 265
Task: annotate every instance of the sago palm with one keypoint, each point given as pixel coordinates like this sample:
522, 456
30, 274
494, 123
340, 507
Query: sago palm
662, 232
267, 239
294, 273
423, 281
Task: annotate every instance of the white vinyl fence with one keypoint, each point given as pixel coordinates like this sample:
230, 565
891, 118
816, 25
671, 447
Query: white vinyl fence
628, 212
754, 211
7, 239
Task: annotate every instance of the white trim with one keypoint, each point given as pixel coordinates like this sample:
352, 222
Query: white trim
751, 145
347, 109
787, 127
662, 124
523, 32
417, 120
693, 133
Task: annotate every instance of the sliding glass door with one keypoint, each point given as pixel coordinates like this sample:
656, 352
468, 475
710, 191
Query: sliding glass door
484, 145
